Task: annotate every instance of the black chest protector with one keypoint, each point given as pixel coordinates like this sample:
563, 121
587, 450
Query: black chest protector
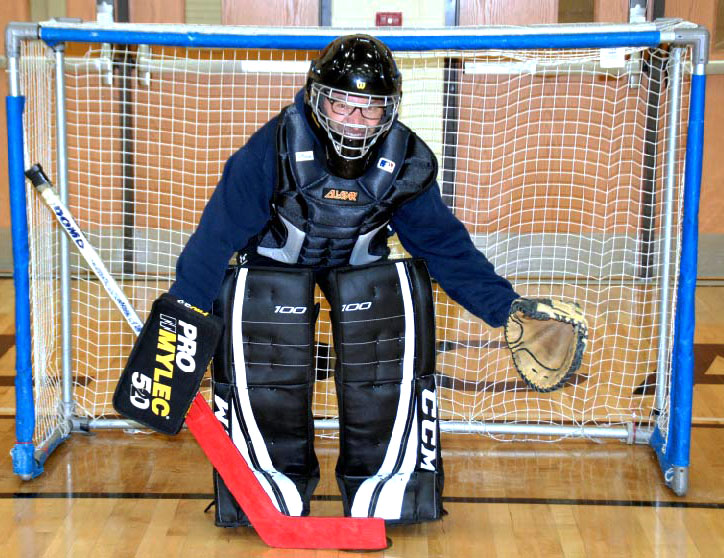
321, 220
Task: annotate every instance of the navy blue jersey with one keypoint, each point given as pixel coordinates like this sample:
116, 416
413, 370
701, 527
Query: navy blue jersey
239, 209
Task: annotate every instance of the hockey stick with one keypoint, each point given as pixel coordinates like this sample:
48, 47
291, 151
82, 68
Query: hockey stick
273, 527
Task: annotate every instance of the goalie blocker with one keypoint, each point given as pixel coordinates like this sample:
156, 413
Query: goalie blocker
167, 363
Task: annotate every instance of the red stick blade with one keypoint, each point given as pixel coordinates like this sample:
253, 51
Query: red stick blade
275, 528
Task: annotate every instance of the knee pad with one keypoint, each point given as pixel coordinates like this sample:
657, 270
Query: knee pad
384, 328
262, 382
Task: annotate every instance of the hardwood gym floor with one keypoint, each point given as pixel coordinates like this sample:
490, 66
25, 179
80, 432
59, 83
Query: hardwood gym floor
114, 494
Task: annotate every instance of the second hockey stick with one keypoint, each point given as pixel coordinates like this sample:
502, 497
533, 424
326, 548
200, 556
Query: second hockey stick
273, 527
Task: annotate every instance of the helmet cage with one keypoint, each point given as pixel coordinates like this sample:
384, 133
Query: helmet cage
352, 141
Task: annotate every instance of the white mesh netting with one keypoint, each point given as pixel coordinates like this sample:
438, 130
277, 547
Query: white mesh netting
553, 162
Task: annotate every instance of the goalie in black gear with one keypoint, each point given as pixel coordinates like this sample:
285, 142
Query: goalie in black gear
312, 198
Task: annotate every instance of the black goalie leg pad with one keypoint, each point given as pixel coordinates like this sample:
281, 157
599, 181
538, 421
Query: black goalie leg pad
263, 383
384, 327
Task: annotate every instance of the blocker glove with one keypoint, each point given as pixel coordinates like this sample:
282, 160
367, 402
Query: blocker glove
547, 339
167, 363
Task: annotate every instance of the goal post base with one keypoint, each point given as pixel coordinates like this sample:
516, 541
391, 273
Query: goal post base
676, 474
29, 459
678, 480
24, 463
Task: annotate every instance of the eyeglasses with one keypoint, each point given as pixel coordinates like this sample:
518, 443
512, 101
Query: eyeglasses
342, 108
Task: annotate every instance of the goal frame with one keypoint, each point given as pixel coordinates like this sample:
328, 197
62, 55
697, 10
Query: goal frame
672, 448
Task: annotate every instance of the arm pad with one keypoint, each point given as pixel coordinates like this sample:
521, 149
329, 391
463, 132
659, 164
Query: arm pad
167, 363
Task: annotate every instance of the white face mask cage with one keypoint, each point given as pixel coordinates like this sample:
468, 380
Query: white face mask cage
352, 141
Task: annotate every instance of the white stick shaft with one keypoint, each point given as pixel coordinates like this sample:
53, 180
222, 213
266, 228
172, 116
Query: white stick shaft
64, 217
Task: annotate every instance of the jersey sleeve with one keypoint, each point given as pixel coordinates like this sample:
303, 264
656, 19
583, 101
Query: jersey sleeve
237, 211
429, 230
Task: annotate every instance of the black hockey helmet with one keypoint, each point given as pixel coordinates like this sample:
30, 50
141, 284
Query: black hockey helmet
354, 72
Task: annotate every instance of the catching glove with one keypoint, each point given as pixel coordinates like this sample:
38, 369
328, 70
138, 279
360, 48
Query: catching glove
547, 339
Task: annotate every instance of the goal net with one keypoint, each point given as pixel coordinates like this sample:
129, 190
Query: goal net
566, 165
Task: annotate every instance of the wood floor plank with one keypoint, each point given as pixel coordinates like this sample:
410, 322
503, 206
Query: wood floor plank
707, 532
668, 533
572, 543
534, 530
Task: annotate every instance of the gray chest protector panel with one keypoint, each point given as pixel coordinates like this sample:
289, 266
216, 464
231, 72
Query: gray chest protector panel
321, 220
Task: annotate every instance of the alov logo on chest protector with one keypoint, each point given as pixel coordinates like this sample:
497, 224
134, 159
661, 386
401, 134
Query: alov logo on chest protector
338, 194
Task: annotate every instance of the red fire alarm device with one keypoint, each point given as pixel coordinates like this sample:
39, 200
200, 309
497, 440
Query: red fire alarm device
388, 19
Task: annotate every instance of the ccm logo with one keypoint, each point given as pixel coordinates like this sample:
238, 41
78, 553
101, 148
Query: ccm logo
290, 309
354, 306
428, 430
